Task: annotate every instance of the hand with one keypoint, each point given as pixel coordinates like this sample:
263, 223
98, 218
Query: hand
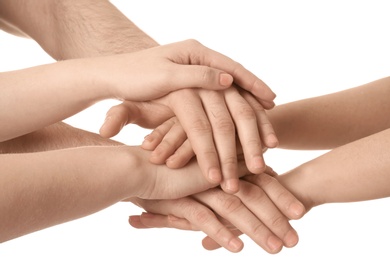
209, 119
154, 72
260, 209
170, 144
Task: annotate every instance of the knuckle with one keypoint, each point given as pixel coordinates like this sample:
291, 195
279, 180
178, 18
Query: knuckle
284, 196
192, 43
166, 144
266, 181
258, 229
202, 216
253, 193
207, 74
158, 133
224, 126
253, 142
278, 221
200, 126
229, 161
246, 112
231, 204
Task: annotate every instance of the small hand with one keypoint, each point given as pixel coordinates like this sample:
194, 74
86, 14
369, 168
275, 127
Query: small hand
260, 210
211, 120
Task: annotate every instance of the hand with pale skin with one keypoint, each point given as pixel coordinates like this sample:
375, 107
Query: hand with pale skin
261, 210
356, 169
64, 88
43, 189
57, 28
210, 120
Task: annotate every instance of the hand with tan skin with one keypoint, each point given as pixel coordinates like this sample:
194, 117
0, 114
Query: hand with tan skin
229, 113
221, 215
70, 42
43, 189
57, 27
356, 169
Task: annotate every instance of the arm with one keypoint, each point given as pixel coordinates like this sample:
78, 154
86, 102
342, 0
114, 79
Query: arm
75, 38
57, 136
53, 92
261, 211
77, 182
328, 121
357, 171
78, 29
74, 29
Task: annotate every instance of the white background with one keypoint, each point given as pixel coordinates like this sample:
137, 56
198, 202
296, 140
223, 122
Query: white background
300, 49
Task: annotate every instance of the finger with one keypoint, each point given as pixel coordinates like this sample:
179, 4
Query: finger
182, 156
232, 208
210, 244
135, 222
116, 119
282, 198
224, 137
150, 220
263, 208
152, 140
270, 171
199, 54
267, 131
188, 108
247, 129
170, 136
200, 217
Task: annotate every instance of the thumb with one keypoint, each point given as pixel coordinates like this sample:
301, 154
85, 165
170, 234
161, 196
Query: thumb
116, 119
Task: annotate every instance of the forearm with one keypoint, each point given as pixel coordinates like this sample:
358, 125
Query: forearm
53, 137
82, 29
328, 121
354, 172
39, 190
74, 29
40, 96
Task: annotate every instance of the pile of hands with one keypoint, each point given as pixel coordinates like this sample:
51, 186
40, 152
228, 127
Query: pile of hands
221, 126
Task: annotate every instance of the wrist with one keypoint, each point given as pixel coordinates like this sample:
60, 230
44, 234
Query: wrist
134, 166
302, 183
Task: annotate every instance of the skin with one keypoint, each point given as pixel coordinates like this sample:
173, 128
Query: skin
65, 38
60, 27
37, 194
230, 112
83, 82
340, 175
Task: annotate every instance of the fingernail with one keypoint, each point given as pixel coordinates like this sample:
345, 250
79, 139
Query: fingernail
297, 209
231, 186
146, 215
291, 238
105, 122
148, 138
215, 175
258, 163
225, 79
274, 244
236, 244
172, 158
272, 141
